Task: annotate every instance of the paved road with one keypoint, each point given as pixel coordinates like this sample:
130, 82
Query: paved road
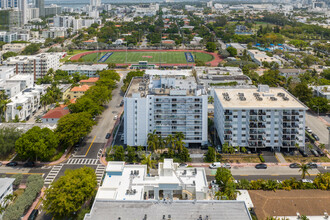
105, 122
318, 127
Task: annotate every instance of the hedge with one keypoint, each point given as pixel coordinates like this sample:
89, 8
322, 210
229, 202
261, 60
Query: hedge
23, 202
261, 158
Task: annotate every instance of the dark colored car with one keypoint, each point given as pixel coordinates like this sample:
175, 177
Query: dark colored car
261, 166
121, 103
306, 140
320, 152
315, 153
29, 164
12, 164
33, 214
315, 137
312, 165
303, 153
294, 165
107, 136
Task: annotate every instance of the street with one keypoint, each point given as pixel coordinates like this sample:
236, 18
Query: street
318, 127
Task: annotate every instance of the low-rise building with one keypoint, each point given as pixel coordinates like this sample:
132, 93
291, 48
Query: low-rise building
259, 57
167, 105
6, 188
54, 32
8, 37
90, 81
239, 47
53, 115
78, 91
87, 70
291, 72
128, 192
263, 118
17, 48
321, 91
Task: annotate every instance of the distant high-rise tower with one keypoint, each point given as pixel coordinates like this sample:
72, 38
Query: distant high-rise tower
41, 5
4, 4
22, 6
95, 3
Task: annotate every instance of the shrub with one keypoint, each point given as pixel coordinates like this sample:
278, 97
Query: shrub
23, 202
18, 179
261, 158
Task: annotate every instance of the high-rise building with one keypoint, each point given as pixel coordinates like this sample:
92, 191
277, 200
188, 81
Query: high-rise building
263, 118
41, 5
167, 105
23, 8
95, 3
5, 4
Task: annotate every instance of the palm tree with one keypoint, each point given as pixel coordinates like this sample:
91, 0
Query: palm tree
243, 149
304, 170
44, 100
151, 142
225, 148
322, 146
170, 141
179, 141
148, 161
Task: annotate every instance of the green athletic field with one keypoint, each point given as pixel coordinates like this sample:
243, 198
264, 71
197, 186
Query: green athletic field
152, 57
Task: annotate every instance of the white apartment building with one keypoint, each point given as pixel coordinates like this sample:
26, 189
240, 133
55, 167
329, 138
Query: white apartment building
37, 65
263, 118
54, 32
321, 91
259, 57
17, 48
24, 104
87, 70
6, 188
167, 104
74, 23
8, 36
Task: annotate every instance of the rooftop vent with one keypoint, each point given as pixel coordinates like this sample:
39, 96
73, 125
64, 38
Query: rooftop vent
273, 98
226, 96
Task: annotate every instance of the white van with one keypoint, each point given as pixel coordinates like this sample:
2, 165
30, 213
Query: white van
215, 165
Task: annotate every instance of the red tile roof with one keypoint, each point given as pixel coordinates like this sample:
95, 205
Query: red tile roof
82, 88
90, 80
56, 112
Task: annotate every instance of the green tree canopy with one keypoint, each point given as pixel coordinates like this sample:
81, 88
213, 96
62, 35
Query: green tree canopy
210, 155
67, 195
232, 51
31, 49
303, 92
37, 143
8, 137
129, 77
72, 127
8, 54
319, 104
211, 46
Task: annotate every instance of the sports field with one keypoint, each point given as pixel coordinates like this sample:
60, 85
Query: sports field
152, 57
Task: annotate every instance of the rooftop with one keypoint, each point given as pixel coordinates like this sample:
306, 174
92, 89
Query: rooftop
258, 98
164, 86
90, 80
82, 88
175, 210
58, 112
94, 67
5, 183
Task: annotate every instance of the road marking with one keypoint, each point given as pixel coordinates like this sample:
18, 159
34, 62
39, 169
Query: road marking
274, 174
244, 175
73, 161
90, 146
25, 173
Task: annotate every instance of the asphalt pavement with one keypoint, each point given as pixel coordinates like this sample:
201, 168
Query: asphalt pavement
318, 127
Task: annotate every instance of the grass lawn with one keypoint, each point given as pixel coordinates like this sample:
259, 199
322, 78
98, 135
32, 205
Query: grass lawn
75, 52
301, 159
240, 159
151, 57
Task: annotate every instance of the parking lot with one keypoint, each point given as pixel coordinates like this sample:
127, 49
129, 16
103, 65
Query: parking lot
318, 127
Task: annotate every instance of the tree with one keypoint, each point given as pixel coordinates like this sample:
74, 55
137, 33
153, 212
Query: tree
303, 92
304, 170
179, 141
211, 46
119, 154
226, 184
147, 160
322, 181
31, 49
130, 154
37, 143
8, 137
225, 148
210, 155
112, 66
129, 77
319, 104
73, 127
232, 51
8, 54
86, 104
243, 150
18, 179
68, 194
184, 155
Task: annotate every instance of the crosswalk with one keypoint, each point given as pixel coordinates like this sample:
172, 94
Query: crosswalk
82, 161
99, 173
52, 174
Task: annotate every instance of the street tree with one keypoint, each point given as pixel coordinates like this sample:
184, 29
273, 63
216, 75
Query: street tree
73, 127
119, 154
68, 194
210, 155
130, 154
8, 137
37, 143
304, 170
319, 104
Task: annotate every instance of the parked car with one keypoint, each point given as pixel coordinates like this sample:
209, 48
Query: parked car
312, 165
183, 165
116, 117
215, 165
121, 103
107, 136
12, 164
303, 153
314, 152
261, 166
306, 139
320, 152
29, 164
308, 129
122, 137
294, 165
33, 214
226, 165
315, 137
213, 183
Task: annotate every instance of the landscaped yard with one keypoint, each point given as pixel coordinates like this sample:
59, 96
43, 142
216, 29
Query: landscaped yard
151, 57
301, 159
240, 159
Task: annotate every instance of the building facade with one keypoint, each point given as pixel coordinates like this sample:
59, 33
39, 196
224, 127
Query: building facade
260, 118
87, 70
167, 105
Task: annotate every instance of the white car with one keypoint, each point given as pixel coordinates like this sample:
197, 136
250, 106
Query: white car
308, 130
226, 165
116, 117
306, 181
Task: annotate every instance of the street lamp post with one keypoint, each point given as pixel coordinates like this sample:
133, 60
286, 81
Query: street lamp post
318, 110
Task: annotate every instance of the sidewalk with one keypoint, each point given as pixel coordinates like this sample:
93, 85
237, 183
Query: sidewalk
35, 204
279, 157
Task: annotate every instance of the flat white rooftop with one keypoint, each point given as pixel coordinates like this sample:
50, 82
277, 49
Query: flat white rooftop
251, 101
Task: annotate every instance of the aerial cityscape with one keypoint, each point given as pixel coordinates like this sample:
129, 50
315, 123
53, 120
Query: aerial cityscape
164, 110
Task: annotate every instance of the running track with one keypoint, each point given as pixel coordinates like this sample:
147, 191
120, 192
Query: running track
214, 62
